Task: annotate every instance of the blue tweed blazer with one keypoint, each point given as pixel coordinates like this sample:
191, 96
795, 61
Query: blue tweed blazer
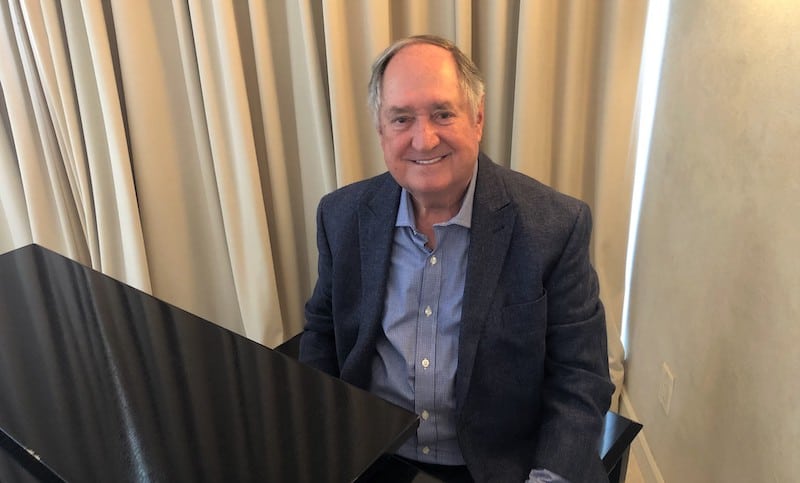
532, 385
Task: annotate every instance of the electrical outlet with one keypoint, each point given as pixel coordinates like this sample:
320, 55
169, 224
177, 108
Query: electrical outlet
666, 387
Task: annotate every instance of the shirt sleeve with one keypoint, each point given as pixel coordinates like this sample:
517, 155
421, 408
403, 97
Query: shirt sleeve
540, 475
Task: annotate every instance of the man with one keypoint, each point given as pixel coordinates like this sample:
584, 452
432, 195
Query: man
461, 290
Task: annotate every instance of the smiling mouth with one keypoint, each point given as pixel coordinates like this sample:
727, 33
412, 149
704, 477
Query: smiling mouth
425, 162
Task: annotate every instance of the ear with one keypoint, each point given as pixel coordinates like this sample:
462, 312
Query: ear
479, 118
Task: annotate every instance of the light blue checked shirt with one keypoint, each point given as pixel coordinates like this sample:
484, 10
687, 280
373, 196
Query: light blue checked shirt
418, 350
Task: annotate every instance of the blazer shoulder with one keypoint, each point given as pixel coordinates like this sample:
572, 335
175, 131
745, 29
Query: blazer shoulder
528, 193
349, 197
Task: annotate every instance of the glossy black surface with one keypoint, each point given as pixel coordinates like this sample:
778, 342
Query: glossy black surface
105, 383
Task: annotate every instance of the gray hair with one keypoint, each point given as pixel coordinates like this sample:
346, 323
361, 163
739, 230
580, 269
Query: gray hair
469, 77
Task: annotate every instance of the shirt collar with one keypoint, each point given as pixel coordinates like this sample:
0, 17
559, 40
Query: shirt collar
405, 211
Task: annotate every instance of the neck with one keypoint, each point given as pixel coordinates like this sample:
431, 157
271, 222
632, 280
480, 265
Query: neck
435, 211
429, 212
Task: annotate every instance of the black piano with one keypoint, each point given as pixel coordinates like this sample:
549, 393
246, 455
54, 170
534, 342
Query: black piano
100, 382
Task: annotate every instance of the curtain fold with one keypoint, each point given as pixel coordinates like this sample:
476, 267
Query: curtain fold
26, 113
118, 234
236, 168
182, 146
275, 175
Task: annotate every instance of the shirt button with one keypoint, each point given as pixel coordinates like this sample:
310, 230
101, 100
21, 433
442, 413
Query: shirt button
425, 363
428, 311
434, 260
426, 450
425, 415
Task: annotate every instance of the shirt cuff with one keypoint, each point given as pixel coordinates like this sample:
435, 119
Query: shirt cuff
540, 475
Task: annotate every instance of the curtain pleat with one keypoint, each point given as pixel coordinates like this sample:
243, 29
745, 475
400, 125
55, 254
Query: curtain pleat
32, 137
535, 90
236, 169
347, 83
44, 31
307, 110
494, 50
15, 224
182, 146
277, 173
120, 239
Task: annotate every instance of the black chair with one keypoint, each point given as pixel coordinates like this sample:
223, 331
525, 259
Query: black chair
615, 443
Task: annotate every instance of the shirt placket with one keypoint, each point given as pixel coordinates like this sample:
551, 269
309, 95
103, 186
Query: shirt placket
425, 367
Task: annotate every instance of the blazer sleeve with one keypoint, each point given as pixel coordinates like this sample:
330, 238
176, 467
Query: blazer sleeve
576, 390
317, 345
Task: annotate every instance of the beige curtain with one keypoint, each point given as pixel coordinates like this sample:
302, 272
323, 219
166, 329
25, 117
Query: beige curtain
181, 146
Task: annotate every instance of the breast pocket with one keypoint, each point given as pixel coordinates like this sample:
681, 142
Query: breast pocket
526, 317
515, 348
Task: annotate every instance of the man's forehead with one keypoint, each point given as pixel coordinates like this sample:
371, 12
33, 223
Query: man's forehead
423, 49
420, 59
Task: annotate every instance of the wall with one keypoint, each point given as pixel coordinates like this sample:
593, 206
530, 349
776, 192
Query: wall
716, 281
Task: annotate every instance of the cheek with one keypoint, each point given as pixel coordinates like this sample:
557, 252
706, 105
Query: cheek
391, 153
392, 145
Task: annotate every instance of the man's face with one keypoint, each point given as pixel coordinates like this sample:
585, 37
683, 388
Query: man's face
428, 132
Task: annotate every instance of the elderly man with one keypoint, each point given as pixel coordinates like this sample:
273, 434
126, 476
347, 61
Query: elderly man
461, 290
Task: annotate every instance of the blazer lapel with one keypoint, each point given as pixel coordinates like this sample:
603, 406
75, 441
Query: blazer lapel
493, 219
376, 219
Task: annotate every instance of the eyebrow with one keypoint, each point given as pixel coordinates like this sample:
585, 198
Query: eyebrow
436, 106
393, 111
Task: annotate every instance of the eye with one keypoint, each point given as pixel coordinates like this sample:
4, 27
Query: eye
400, 121
444, 117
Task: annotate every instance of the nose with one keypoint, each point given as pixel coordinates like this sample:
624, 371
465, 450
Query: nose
424, 136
